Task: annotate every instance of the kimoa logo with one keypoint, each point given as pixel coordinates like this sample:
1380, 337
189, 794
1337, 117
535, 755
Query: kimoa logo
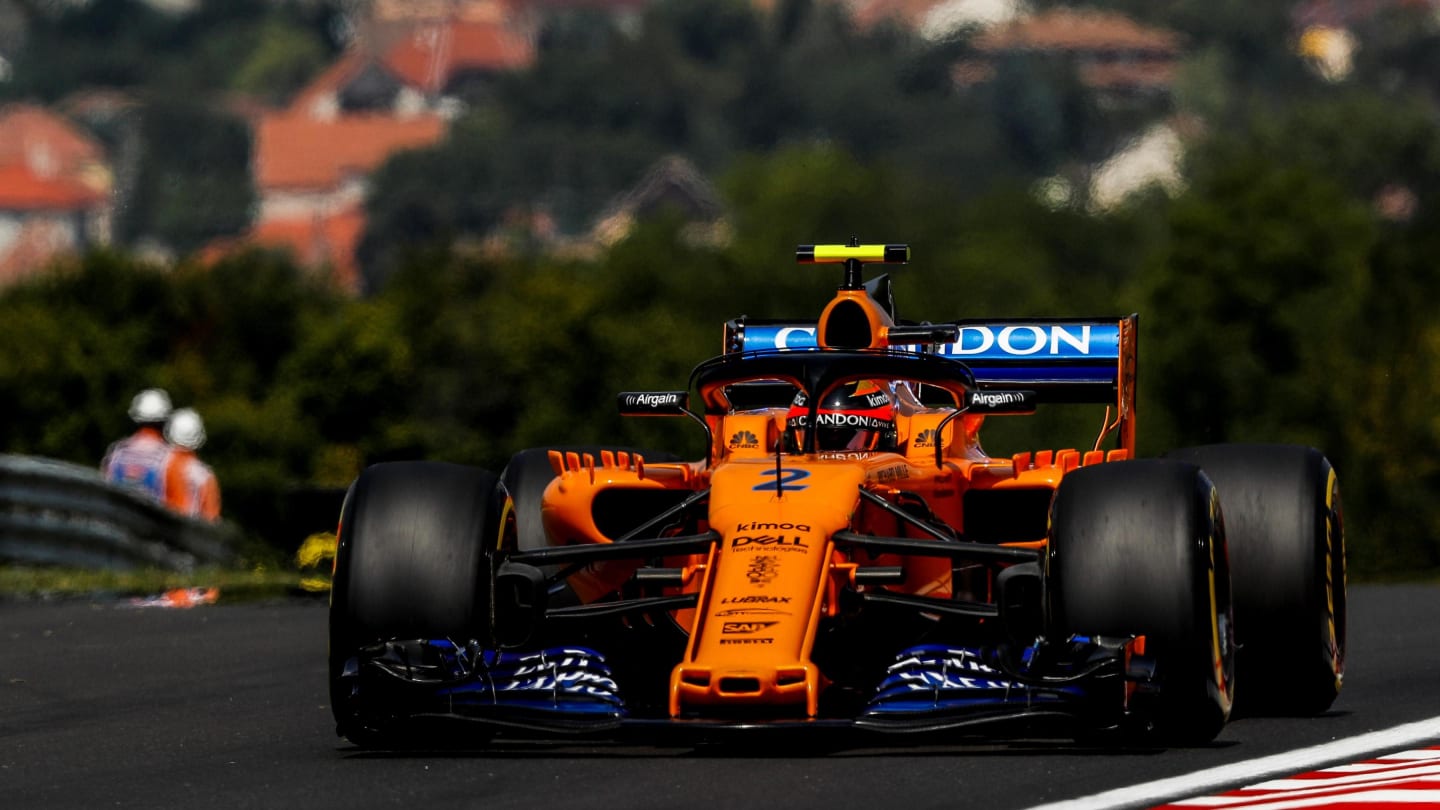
773, 527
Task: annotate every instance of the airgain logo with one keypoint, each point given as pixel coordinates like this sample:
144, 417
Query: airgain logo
925, 439
744, 440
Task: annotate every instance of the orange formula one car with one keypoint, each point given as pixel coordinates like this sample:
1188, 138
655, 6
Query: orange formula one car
847, 555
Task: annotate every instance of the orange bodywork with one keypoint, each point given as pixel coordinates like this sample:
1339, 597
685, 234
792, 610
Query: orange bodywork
776, 571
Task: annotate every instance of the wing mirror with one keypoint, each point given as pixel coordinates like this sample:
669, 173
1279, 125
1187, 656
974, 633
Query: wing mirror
664, 403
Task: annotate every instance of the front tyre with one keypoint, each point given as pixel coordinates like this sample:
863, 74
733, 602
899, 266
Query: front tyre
1287, 552
1138, 548
412, 563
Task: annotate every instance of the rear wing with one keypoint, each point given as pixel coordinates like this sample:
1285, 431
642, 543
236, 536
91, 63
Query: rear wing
1077, 360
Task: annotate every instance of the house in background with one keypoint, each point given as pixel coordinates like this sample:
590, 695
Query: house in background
394, 90
1114, 56
672, 186
934, 19
55, 190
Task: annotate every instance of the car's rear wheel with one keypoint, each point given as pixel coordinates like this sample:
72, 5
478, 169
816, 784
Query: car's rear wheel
412, 563
1287, 557
1138, 548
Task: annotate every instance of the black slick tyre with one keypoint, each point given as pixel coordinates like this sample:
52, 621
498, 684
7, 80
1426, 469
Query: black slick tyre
1138, 548
1287, 557
412, 563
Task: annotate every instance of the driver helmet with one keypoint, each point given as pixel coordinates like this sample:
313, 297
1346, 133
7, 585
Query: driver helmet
858, 415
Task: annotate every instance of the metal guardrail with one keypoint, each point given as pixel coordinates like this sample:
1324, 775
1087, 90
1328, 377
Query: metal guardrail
57, 513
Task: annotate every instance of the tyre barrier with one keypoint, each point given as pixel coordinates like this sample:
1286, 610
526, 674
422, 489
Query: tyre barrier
57, 513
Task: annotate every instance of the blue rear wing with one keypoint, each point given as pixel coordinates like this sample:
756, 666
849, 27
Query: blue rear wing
1081, 360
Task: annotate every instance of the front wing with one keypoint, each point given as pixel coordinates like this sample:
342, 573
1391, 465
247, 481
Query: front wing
1082, 684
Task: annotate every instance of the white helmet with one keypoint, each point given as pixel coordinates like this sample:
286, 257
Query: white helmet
150, 405
185, 429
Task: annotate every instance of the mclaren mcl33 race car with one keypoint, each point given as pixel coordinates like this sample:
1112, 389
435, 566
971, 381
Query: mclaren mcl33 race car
846, 555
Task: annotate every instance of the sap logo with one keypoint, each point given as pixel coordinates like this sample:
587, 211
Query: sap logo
744, 440
773, 527
755, 600
768, 540
1022, 340
925, 439
745, 627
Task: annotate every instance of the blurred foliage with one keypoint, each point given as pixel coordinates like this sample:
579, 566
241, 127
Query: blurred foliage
193, 181
131, 45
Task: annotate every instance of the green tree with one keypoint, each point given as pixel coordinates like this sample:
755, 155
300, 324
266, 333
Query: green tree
193, 183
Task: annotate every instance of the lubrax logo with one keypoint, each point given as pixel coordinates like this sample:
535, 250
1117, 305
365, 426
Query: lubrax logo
773, 527
747, 641
755, 600
744, 440
652, 400
745, 627
778, 542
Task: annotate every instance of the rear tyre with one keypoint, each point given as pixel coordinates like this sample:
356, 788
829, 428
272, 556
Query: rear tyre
1287, 555
1138, 548
412, 563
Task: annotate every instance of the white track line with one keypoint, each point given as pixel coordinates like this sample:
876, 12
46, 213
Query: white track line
1240, 773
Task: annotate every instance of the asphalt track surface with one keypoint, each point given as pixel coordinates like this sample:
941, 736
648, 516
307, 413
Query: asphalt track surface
225, 706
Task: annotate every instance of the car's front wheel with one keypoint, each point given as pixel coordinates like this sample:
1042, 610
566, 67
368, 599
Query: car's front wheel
1138, 548
412, 563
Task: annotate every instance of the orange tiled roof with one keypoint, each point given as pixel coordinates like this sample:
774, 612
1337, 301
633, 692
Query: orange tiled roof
1156, 75
294, 151
319, 241
22, 189
433, 54
27, 130
1071, 30
869, 13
